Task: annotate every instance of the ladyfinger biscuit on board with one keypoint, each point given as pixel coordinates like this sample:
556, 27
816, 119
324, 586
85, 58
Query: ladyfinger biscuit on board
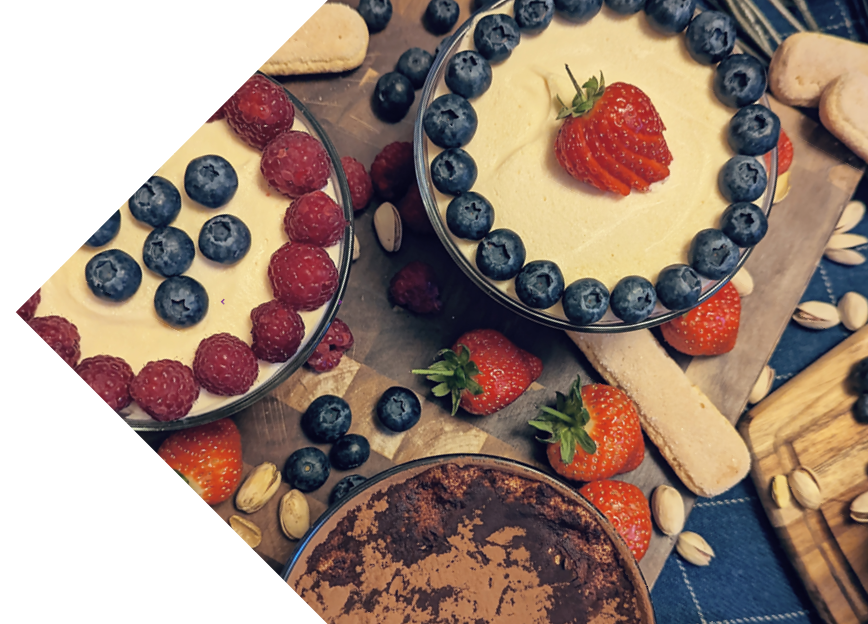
844, 111
703, 448
806, 62
334, 39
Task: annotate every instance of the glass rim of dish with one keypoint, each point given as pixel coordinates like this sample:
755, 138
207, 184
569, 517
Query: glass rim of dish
660, 314
242, 402
417, 466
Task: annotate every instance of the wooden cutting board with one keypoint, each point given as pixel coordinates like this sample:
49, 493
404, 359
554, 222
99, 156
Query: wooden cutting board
809, 422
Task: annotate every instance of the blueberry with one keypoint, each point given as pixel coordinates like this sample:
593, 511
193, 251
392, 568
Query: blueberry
344, 487
210, 181
633, 299
744, 223
453, 171
742, 179
444, 43
860, 409
479, 4
626, 7
586, 301
350, 451
712, 254
539, 284
157, 202
399, 409
181, 301
450, 121
859, 376
415, 64
326, 419
224, 239
710, 37
440, 16
579, 11
393, 96
376, 13
678, 287
533, 15
470, 216
739, 80
106, 232
754, 130
669, 16
307, 469
113, 274
168, 251
500, 255
468, 74
496, 36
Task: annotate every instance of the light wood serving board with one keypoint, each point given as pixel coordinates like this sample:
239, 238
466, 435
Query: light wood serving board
809, 422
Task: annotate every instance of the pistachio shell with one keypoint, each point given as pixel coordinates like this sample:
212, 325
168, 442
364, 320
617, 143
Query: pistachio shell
853, 310
806, 488
668, 509
258, 488
387, 224
248, 531
816, 315
294, 514
781, 491
694, 549
853, 213
762, 385
859, 508
743, 282
848, 257
357, 251
846, 241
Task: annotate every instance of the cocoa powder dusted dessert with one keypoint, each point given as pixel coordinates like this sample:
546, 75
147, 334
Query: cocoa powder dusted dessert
468, 544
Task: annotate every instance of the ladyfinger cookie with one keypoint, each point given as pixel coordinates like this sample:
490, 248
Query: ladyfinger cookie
334, 39
703, 448
844, 111
806, 62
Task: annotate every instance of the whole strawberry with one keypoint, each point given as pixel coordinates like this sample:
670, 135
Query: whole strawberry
110, 378
295, 163
302, 276
626, 508
593, 432
612, 137
314, 218
392, 171
225, 365
259, 111
165, 389
711, 328
28, 308
361, 187
338, 339
483, 372
207, 457
415, 287
60, 335
277, 331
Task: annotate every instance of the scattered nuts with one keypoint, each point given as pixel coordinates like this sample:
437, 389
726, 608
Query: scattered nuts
763, 385
782, 188
859, 508
816, 315
848, 257
248, 531
853, 310
294, 514
806, 488
694, 549
743, 282
781, 491
356, 249
845, 241
258, 488
387, 224
852, 215
668, 509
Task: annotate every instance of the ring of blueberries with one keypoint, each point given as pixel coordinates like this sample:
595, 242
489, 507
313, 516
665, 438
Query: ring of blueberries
450, 122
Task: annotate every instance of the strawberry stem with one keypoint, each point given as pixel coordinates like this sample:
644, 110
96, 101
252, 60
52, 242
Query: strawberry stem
586, 96
566, 423
453, 375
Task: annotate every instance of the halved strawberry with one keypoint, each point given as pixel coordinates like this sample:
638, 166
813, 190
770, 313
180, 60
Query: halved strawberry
785, 154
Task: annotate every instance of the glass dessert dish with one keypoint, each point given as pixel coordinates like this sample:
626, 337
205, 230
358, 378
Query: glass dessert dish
521, 160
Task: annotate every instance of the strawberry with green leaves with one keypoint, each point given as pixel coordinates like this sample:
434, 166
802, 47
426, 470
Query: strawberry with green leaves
710, 328
626, 507
593, 432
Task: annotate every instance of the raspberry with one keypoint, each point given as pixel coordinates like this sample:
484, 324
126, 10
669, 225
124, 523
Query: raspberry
361, 187
415, 287
392, 171
28, 309
412, 212
327, 355
220, 113
225, 365
259, 111
110, 378
277, 331
302, 276
165, 389
60, 335
314, 218
295, 163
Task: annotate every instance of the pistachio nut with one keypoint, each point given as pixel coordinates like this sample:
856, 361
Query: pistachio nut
763, 385
248, 531
694, 549
853, 310
743, 282
782, 188
850, 218
848, 257
294, 514
258, 488
357, 251
816, 315
846, 241
859, 508
781, 491
668, 509
806, 488
387, 225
